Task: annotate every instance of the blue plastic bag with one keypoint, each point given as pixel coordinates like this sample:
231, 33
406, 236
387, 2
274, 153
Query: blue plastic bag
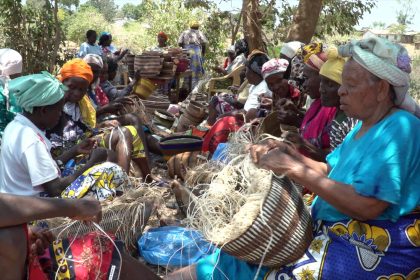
173, 246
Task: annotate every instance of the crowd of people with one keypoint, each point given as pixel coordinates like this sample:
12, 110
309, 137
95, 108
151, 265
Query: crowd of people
348, 129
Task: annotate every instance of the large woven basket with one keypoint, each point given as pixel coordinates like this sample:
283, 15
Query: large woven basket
283, 212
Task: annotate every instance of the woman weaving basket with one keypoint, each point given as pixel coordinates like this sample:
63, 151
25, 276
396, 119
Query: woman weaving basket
367, 226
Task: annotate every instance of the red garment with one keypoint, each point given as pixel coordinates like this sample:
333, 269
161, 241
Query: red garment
316, 124
226, 63
88, 257
219, 133
101, 96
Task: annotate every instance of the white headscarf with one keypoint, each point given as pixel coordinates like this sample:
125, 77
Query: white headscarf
290, 49
10, 64
94, 59
388, 61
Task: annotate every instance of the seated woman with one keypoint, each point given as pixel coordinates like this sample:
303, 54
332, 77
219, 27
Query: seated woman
107, 76
226, 68
259, 88
365, 213
21, 246
339, 125
26, 164
317, 119
79, 122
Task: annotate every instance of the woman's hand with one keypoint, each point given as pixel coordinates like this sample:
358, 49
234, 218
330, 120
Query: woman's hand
266, 103
114, 107
87, 210
40, 240
259, 150
85, 147
98, 155
279, 161
295, 138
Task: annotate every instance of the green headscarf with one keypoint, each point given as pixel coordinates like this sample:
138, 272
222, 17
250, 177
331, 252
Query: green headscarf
36, 90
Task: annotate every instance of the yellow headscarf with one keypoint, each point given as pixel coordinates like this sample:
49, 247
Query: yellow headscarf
333, 68
194, 24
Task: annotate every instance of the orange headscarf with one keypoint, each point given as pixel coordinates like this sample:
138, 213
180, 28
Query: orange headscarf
79, 68
76, 68
163, 35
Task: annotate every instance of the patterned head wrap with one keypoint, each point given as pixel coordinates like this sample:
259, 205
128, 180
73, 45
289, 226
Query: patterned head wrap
256, 61
76, 68
316, 61
389, 62
10, 62
296, 74
312, 48
37, 90
274, 66
333, 68
94, 59
291, 48
163, 35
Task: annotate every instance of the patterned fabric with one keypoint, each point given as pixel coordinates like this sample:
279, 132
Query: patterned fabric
220, 131
101, 181
101, 97
274, 66
90, 257
138, 146
374, 250
196, 65
192, 37
316, 124
339, 130
296, 75
223, 103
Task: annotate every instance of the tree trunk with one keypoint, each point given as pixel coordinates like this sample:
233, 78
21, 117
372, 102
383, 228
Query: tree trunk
235, 29
57, 38
252, 25
305, 21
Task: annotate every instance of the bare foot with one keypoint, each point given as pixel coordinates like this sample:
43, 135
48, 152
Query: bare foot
183, 196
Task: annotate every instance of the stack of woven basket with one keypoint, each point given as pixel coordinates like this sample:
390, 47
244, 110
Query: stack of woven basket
129, 60
194, 114
149, 63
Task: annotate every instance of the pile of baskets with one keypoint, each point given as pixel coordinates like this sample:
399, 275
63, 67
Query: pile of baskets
149, 64
193, 115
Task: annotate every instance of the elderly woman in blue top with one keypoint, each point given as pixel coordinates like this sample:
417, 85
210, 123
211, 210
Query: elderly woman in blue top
367, 226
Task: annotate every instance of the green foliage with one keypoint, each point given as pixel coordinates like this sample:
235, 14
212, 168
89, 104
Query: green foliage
406, 13
341, 16
378, 25
106, 7
337, 16
132, 11
31, 30
86, 18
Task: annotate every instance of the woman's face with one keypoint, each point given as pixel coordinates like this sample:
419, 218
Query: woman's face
76, 89
329, 92
358, 93
252, 77
311, 82
278, 85
161, 40
104, 73
96, 70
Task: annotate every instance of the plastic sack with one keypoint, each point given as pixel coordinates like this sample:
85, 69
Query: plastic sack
173, 246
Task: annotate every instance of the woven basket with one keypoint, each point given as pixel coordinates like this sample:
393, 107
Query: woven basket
114, 220
174, 145
291, 229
